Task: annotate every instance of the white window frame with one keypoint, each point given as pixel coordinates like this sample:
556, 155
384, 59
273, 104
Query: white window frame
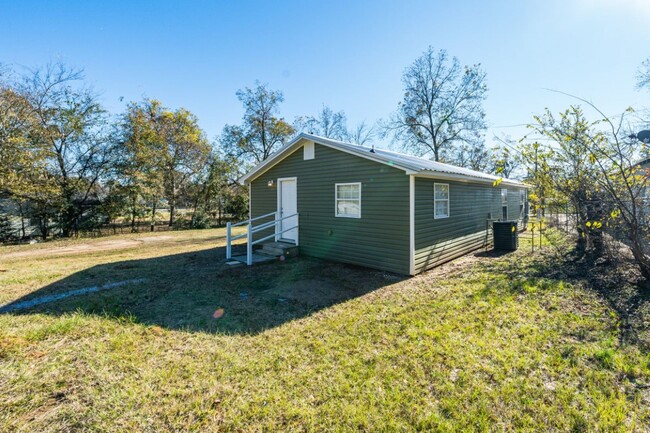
336, 200
504, 197
522, 196
435, 200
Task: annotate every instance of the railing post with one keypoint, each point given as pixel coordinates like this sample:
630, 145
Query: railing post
249, 244
228, 241
297, 227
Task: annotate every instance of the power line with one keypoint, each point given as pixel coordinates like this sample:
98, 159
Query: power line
510, 126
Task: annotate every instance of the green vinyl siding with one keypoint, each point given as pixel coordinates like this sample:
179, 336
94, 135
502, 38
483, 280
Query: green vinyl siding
379, 239
470, 205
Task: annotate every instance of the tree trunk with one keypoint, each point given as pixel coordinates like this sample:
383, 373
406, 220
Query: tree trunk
43, 227
172, 199
22, 220
153, 213
194, 208
582, 243
133, 213
172, 207
69, 222
68, 215
642, 259
65, 225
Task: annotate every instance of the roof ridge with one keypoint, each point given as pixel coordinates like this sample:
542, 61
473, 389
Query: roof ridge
452, 167
412, 165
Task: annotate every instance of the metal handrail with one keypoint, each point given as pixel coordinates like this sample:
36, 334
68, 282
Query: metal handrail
250, 230
251, 220
274, 234
266, 225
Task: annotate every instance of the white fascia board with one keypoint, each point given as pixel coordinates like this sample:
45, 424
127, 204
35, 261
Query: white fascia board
468, 179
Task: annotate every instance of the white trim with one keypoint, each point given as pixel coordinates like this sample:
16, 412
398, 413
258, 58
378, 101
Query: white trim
278, 207
466, 179
336, 200
435, 217
411, 225
250, 201
506, 197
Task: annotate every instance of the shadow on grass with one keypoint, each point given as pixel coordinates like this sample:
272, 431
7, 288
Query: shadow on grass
183, 291
492, 253
616, 281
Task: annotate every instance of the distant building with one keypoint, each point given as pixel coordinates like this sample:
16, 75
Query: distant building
23, 227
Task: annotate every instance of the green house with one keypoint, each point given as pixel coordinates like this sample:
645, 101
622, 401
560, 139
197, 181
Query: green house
376, 208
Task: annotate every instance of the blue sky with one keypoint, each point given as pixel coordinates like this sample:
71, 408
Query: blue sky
349, 55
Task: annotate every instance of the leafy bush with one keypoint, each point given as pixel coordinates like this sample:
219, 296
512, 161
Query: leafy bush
200, 220
237, 207
181, 224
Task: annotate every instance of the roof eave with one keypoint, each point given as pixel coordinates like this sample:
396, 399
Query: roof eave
278, 156
466, 178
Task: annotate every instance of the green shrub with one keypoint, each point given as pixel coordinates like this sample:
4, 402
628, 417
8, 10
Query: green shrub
200, 220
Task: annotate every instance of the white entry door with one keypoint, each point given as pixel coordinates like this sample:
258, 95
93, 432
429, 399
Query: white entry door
288, 205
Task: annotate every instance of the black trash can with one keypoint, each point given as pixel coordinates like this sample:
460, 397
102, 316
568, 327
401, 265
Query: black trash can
505, 235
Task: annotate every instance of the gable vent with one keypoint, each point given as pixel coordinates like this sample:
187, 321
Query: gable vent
308, 150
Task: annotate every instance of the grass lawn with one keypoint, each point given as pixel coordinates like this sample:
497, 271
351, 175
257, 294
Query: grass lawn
485, 343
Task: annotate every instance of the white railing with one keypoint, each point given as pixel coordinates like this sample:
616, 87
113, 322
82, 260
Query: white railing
251, 230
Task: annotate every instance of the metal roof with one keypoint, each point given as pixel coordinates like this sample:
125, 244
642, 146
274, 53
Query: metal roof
410, 164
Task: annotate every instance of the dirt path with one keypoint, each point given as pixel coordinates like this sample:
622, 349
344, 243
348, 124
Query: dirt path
84, 247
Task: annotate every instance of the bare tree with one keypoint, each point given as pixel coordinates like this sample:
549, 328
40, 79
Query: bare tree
474, 156
505, 160
442, 106
362, 134
643, 75
328, 123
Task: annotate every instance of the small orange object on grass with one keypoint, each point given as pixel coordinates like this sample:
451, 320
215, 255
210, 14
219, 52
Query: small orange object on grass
218, 314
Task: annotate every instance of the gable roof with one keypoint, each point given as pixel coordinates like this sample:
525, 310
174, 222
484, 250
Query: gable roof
409, 164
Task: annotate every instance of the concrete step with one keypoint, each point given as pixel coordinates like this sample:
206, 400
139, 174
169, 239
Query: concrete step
276, 249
